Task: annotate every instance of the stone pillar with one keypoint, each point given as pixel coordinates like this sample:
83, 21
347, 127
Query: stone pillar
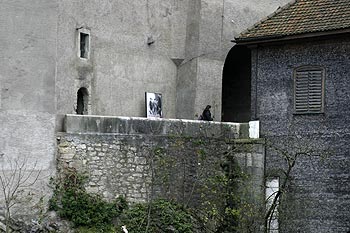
199, 80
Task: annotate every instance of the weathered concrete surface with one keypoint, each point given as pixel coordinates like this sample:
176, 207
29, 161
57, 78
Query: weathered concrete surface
135, 125
127, 80
41, 70
28, 39
27, 55
27, 146
122, 66
28, 136
211, 25
209, 86
27, 77
247, 13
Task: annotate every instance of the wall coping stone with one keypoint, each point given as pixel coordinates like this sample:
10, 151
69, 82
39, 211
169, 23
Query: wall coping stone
93, 124
246, 141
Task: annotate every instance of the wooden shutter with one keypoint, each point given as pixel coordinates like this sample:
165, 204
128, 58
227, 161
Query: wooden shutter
308, 92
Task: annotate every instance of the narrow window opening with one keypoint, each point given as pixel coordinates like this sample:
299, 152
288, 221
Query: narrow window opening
84, 45
82, 101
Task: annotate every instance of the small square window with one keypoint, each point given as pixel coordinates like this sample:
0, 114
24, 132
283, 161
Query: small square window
309, 90
84, 43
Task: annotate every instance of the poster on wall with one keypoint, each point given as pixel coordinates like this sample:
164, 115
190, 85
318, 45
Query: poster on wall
154, 105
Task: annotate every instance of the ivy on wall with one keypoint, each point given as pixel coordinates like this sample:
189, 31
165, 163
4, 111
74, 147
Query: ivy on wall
196, 185
71, 201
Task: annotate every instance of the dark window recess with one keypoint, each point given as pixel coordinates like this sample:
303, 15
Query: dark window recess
84, 45
309, 90
236, 85
82, 101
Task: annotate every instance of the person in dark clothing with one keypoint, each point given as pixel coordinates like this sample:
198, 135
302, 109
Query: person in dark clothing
206, 115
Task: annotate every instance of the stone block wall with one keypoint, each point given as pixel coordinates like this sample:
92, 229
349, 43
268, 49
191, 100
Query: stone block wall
143, 166
115, 165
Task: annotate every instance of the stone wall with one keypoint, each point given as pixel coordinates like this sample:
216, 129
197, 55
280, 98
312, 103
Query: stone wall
318, 200
141, 166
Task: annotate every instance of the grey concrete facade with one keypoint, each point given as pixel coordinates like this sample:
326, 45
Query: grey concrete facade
28, 39
318, 196
40, 71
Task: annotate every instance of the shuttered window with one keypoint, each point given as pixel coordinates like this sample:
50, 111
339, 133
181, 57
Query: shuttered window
309, 90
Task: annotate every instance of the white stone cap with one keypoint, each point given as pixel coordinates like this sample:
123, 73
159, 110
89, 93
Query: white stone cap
254, 129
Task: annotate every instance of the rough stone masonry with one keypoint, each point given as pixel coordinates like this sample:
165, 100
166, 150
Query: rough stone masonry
149, 164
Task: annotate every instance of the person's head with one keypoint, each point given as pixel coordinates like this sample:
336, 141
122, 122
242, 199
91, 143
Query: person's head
208, 107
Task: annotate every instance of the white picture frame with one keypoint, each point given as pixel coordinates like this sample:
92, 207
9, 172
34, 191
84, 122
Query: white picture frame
154, 105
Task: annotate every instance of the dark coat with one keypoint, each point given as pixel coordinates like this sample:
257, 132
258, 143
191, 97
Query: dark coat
206, 115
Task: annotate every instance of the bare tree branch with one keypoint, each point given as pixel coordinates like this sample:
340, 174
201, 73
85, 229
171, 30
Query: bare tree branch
14, 182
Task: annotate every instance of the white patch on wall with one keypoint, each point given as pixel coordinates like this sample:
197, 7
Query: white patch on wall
254, 129
272, 187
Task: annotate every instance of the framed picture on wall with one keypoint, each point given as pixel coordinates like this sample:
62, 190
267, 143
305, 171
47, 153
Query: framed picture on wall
153, 104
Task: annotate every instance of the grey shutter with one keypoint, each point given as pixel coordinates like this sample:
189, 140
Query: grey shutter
309, 90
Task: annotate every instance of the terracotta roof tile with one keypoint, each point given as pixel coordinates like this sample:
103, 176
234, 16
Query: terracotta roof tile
299, 17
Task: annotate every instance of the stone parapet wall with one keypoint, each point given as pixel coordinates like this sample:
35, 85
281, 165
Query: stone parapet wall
169, 127
142, 166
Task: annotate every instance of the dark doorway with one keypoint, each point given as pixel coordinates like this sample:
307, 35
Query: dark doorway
236, 85
82, 101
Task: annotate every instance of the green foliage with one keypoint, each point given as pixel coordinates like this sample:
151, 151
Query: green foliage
97, 229
198, 142
157, 216
221, 204
72, 202
159, 151
222, 197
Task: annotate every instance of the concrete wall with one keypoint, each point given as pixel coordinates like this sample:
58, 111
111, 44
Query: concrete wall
43, 49
28, 42
211, 25
42, 71
122, 66
318, 200
27, 81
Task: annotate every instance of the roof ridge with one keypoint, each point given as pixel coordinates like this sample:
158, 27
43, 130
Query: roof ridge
300, 17
278, 10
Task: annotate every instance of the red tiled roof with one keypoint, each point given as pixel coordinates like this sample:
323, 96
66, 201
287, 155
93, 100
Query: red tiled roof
300, 17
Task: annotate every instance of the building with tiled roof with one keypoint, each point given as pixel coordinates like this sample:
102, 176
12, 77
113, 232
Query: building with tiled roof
296, 65
301, 18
